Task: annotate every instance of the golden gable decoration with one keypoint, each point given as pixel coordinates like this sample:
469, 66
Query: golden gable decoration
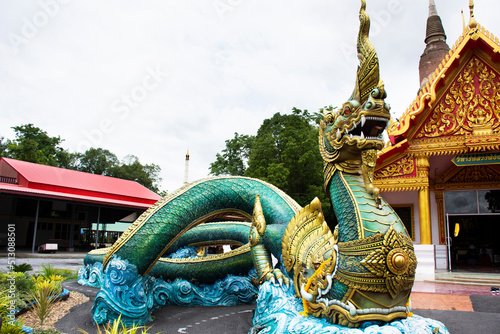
470, 105
402, 167
472, 37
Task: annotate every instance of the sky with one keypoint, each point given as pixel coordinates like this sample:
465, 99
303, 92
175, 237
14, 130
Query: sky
156, 78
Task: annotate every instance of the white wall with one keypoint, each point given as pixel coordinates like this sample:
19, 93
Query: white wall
406, 197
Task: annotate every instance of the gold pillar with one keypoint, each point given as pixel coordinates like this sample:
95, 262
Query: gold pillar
424, 202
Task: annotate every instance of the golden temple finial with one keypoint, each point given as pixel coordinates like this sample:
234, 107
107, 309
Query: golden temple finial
463, 19
472, 20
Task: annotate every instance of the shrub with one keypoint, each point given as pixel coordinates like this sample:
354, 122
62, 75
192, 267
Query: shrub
118, 327
48, 270
22, 268
23, 287
53, 281
22, 283
12, 328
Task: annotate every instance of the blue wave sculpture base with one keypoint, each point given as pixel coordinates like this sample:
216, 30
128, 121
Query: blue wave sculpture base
135, 297
125, 292
278, 311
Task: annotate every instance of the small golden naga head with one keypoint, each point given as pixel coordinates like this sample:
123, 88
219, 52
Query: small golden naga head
359, 123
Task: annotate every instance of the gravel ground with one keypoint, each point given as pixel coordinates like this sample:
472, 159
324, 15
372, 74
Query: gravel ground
60, 310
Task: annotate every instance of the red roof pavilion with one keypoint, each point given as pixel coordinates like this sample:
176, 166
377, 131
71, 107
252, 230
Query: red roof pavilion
30, 179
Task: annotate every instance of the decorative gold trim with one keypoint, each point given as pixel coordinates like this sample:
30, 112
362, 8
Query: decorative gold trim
343, 317
401, 167
472, 19
306, 242
216, 257
402, 184
471, 177
99, 251
213, 215
146, 215
390, 259
441, 215
453, 145
215, 243
465, 108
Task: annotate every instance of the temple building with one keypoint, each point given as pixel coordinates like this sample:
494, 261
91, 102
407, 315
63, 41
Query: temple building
76, 210
440, 169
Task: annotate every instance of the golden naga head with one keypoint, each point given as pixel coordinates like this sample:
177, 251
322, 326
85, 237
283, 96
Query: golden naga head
359, 124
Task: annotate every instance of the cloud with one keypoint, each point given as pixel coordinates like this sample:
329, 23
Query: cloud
230, 64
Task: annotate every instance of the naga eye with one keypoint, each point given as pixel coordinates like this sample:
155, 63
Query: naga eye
347, 110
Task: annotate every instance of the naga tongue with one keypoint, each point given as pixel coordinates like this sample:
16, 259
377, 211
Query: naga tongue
375, 131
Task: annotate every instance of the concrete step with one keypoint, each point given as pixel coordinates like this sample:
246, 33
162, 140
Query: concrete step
485, 284
468, 280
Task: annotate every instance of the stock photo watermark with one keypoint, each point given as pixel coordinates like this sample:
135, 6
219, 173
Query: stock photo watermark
122, 107
11, 278
223, 6
31, 26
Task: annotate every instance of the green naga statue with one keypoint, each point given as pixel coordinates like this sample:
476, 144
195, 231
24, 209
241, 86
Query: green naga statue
361, 270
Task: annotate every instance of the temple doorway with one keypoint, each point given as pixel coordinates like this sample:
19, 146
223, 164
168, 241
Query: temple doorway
473, 242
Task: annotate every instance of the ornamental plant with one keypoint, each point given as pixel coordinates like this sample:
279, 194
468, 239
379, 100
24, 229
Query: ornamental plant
118, 327
43, 300
8, 326
48, 270
22, 268
23, 287
12, 328
43, 282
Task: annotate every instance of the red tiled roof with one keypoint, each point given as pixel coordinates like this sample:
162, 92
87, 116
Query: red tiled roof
51, 181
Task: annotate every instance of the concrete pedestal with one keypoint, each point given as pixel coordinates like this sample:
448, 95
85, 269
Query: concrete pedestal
426, 263
441, 257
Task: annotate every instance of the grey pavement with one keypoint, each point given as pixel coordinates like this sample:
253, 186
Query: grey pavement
169, 319
64, 260
173, 319
237, 319
88, 291
461, 322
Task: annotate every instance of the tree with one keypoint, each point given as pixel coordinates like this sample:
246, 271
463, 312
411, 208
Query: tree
3, 146
284, 152
34, 145
132, 169
97, 161
234, 158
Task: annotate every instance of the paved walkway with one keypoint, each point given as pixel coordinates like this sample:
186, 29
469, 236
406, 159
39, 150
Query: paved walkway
464, 309
472, 309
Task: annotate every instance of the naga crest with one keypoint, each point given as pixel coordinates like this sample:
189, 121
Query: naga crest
358, 125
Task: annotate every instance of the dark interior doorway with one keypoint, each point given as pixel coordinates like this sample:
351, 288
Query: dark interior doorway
475, 245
